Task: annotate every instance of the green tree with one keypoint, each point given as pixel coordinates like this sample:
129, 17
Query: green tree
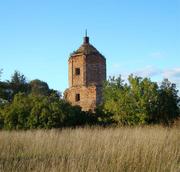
18, 83
18, 78
29, 111
39, 87
5, 91
16, 113
133, 103
46, 112
168, 102
114, 93
144, 96
139, 102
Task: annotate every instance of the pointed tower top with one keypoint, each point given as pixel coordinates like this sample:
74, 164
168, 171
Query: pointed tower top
86, 38
86, 33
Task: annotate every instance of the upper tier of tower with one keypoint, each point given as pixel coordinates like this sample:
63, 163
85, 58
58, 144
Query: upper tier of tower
87, 66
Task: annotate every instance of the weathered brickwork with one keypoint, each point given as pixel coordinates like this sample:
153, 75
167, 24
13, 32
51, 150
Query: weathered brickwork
87, 71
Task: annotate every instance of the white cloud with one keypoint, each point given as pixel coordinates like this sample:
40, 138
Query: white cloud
116, 65
156, 74
158, 55
172, 73
148, 71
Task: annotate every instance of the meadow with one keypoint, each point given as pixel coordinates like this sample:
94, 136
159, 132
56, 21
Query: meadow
137, 149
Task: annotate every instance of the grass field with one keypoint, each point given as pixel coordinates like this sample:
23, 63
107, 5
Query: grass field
91, 149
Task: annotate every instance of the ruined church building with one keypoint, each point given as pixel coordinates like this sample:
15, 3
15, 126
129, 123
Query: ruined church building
87, 71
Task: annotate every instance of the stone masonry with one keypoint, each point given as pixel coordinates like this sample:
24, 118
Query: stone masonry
87, 71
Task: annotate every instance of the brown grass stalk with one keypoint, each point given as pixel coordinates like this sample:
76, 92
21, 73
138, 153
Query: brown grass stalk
91, 149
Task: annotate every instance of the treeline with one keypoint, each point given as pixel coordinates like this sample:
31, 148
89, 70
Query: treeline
32, 104
141, 101
29, 105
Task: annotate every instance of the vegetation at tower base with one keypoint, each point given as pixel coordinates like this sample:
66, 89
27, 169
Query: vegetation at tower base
29, 105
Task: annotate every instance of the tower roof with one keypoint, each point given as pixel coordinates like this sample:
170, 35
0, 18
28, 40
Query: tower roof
86, 48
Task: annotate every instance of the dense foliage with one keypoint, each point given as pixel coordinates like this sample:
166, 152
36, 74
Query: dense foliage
26, 105
29, 105
141, 101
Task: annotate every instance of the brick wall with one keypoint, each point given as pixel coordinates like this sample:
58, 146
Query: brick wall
88, 83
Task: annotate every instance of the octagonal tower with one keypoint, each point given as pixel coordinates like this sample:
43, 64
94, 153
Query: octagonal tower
87, 71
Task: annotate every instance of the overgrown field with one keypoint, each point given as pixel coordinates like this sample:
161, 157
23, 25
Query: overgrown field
91, 149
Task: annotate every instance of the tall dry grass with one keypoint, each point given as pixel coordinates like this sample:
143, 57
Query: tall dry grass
91, 149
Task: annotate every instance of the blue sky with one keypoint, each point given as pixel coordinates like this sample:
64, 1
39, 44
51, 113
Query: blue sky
135, 36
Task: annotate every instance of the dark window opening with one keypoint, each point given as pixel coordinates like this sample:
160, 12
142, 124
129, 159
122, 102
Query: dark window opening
77, 97
77, 71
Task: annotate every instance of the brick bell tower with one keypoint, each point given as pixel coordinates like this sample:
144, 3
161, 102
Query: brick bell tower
87, 71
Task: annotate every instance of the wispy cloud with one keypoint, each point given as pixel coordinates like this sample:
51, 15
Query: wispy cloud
116, 65
158, 55
169, 73
156, 74
148, 71
172, 74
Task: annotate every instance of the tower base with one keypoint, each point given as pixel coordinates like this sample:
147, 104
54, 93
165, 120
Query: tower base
87, 97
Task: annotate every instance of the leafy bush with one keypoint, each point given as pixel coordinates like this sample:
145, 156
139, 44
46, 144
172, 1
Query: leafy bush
141, 101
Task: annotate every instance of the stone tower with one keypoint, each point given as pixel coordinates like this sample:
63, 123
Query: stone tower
87, 71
